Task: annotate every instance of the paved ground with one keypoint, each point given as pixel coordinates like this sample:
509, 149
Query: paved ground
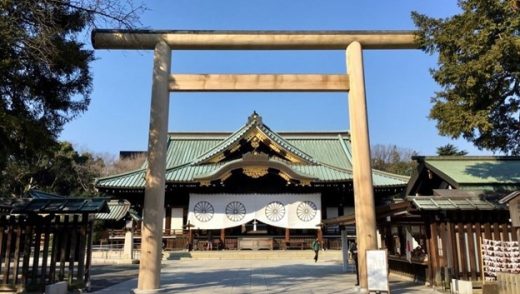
104, 276
242, 276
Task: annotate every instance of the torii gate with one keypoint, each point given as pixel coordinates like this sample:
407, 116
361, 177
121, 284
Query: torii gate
353, 82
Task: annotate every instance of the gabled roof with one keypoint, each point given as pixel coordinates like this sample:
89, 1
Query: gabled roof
254, 130
477, 169
316, 157
472, 172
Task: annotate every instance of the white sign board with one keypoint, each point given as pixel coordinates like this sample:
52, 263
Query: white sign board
377, 270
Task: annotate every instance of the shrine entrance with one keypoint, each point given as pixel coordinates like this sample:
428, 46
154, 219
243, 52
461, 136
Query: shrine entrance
163, 42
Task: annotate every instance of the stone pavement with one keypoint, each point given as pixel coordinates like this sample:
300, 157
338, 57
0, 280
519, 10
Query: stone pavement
258, 276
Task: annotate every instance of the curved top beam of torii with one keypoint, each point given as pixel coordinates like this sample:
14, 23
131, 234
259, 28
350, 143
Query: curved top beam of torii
252, 40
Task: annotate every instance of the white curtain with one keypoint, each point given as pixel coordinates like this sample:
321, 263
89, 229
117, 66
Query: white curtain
176, 219
218, 211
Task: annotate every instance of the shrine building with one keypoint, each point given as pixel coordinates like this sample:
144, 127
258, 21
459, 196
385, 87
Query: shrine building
255, 183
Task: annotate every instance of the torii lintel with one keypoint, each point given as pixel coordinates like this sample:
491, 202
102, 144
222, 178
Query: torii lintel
253, 40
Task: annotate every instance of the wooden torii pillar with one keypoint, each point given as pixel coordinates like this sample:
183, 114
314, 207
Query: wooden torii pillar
162, 42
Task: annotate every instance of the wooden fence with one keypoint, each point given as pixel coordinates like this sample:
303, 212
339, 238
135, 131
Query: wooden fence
454, 248
39, 250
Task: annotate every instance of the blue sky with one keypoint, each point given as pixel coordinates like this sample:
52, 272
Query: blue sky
398, 83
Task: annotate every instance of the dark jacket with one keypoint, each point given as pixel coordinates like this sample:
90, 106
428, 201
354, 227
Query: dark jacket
353, 250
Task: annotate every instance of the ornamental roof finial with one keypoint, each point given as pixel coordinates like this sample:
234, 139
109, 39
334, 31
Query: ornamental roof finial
255, 117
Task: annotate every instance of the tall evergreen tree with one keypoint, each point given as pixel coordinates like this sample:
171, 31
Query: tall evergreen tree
44, 68
479, 72
450, 150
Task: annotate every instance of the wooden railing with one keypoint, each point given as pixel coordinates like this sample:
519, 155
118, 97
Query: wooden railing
137, 233
232, 243
178, 240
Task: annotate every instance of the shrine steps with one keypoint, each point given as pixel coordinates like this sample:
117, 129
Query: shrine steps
329, 255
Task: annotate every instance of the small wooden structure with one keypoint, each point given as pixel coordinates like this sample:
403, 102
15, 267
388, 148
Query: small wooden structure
451, 205
43, 241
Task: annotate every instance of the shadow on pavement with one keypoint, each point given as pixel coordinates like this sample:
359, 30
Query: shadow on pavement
104, 276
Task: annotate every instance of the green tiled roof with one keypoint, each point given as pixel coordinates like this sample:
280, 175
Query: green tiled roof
185, 150
326, 157
186, 173
477, 169
327, 150
452, 203
233, 138
117, 210
63, 205
254, 123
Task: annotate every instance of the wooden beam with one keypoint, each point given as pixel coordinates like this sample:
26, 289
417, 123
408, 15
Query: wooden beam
463, 266
478, 235
452, 249
471, 250
381, 212
435, 273
258, 83
252, 40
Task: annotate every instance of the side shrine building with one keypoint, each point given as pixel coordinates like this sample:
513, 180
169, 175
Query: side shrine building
254, 188
452, 222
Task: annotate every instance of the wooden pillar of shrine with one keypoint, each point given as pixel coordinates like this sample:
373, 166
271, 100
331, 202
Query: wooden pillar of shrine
151, 238
433, 251
168, 221
366, 234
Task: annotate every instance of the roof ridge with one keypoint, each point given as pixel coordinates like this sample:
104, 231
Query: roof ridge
396, 176
277, 136
345, 148
226, 142
223, 133
466, 157
254, 121
317, 163
119, 175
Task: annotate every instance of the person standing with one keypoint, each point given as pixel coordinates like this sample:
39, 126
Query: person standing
316, 247
354, 253
210, 241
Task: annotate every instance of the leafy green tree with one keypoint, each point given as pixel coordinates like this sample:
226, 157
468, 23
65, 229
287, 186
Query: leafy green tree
393, 159
44, 68
450, 150
479, 72
61, 170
